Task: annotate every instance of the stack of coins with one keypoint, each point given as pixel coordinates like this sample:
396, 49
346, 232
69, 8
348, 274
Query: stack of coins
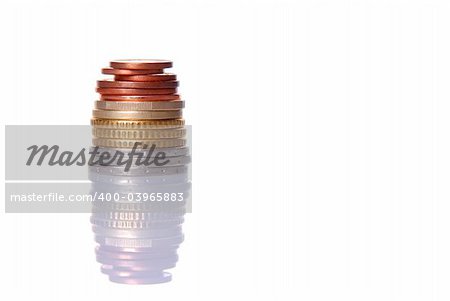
138, 213
140, 90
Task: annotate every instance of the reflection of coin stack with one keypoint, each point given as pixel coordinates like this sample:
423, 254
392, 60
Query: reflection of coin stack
138, 213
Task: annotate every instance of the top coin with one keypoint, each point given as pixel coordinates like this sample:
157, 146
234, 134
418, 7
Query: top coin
131, 72
141, 64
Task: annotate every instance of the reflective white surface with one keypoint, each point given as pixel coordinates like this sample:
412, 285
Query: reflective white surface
322, 172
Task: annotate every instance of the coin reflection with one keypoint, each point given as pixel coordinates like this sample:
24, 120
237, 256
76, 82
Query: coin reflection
137, 217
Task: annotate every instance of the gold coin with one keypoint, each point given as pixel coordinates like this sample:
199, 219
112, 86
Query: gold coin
125, 143
139, 105
137, 124
138, 134
137, 115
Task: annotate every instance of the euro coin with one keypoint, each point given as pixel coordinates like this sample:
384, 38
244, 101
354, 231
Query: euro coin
141, 64
124, 91
139, 105
113, 71
147, 77
136, 115
168, 97
136, 85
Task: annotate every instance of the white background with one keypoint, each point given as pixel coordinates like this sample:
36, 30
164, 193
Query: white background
321, 144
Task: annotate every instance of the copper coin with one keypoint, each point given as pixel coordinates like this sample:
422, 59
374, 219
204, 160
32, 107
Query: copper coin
108, 83
113, 71
141, 64
140, 97
163, 97
147, 78
121, 91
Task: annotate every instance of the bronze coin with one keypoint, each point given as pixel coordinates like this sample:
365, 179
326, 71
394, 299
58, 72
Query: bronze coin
141, 64
140, 97
113, 71
122, 91
136, 85
147, 77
